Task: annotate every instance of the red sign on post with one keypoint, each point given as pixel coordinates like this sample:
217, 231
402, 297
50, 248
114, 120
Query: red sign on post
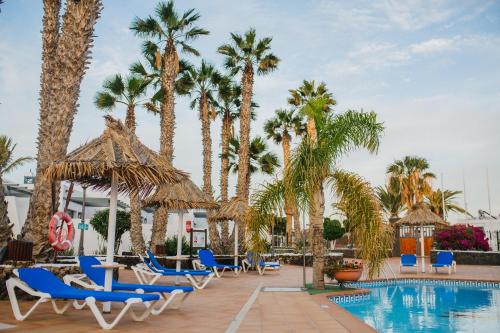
188, 226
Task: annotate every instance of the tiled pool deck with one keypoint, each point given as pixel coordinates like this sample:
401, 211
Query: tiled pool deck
220, 305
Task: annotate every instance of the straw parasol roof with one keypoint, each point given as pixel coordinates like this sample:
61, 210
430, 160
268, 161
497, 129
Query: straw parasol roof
117, 151
421, 215
234, 209
182, 195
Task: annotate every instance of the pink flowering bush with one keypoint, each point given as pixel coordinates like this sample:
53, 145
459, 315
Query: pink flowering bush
462, 237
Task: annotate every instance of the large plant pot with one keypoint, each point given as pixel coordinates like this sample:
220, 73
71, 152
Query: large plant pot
348, 275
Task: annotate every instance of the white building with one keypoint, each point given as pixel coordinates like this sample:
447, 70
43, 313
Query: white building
18, 196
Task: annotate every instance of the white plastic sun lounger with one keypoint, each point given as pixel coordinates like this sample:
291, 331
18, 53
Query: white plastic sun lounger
41, 283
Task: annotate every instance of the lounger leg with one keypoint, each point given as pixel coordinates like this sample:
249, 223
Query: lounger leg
199, 284
168, 299
60, 310
13, 283
107, 326
237, 271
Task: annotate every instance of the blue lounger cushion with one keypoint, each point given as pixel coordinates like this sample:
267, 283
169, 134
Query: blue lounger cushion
443, 259
207, 259
408, 260
97, 274
46, 282
155, 265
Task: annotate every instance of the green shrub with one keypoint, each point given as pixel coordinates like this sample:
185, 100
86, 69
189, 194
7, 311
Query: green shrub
332, 229
171, 246
100, 223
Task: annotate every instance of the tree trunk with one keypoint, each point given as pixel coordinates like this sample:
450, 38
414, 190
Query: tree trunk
288, 201
224, 178
136, 237
5, 226
68, 54
245, 120
159, 230
316, 211
207, 166
167, 131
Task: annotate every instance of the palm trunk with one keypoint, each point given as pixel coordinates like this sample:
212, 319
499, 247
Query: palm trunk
224, 178
245, 119
207, 166
167, 131
136, 237
316, 212
288, 203
69, 54
5, 226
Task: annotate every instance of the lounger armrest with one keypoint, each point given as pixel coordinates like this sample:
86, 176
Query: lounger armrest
78, 279
144, 269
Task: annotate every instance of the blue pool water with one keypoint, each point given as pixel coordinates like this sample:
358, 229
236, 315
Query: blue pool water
429, 307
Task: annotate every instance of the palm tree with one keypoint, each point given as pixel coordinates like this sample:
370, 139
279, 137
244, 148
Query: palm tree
390, 202
261, 159
127, 91
246, 54
313, 165
279, 130
66, 46
169, 30
7, 164
204, 82
410, 177
434, 201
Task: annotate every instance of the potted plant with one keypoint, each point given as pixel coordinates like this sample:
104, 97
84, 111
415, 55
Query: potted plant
345, 271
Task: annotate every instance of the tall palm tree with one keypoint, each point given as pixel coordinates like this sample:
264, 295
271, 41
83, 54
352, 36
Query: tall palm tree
128, 91
434, 201
312, 166
167, 31
410, 177
279, 129
390, 202
246, 54
308, 91
261, 159
7, 164
66, 46
204, 82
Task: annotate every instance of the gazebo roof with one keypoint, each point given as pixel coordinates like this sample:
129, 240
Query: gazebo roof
421, 215
117, 151
182, 195
234, 209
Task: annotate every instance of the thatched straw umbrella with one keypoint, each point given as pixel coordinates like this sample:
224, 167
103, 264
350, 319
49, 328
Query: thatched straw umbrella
118, 161
180, 196
420, 215
235, 209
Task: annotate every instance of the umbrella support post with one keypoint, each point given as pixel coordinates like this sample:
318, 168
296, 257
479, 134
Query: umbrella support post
422, 249
235, 243
108, 279
180, 224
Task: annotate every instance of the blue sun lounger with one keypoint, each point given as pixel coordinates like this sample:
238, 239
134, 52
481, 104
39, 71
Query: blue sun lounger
151, 270
261, 265
408, 260
44, 285
444, 259
96, 277
207, 260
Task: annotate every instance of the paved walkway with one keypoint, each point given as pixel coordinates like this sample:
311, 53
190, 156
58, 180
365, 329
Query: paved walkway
220, 305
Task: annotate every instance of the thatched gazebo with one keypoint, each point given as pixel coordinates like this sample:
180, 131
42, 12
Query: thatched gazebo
180, 196
118, 161
420, 222
236, 210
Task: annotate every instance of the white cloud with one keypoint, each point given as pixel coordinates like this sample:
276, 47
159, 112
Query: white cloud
434, 45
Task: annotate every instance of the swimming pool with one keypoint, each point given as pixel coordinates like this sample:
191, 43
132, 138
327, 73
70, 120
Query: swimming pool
427, 306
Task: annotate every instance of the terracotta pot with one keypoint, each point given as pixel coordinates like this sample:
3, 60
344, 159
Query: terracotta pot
348, 275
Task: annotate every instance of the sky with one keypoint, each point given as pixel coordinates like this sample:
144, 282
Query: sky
429, 69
